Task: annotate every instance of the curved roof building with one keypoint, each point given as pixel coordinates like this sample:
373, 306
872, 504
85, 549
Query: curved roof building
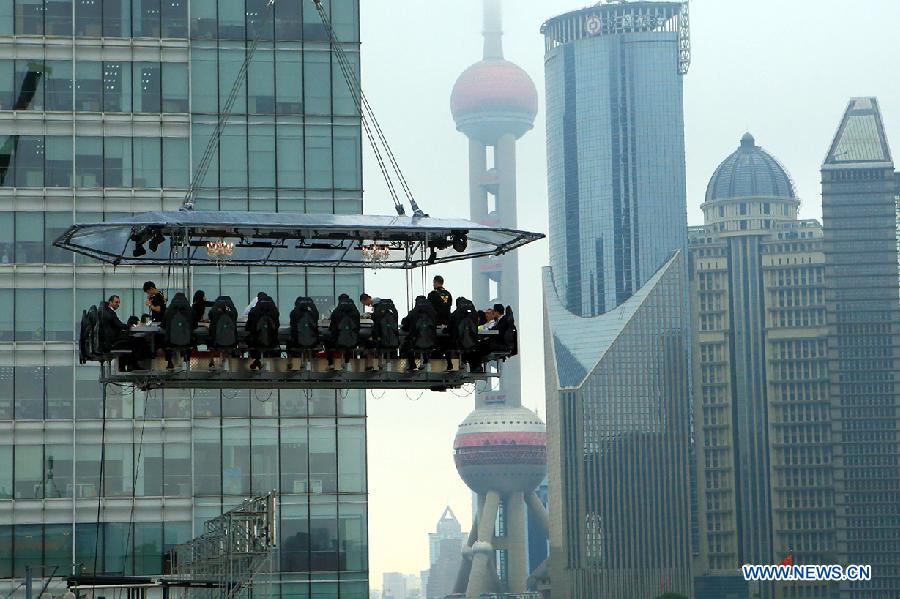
750, 171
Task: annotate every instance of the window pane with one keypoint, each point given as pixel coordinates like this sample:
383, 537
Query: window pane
88, 84
148, 547
115, 534
117, 18
29, 85
204, 89
203, 19
58, 465
347, 158
58, 17
207, 461
288, 81
233, 149
118, 470
353, 536
7, 84
59, 161
27, 545
351, 458
235, 459
146, 18
318, 157
6, 28
89, 162
29, 315
175, 86
261, 74
294, 545
88, 18
231, 20
59, 85
289, 148
149, 479
316, 80
288, 21
344, 105
6, 472
294, 456
322, 459
200, 135
55, 224
230, 61
176, 159
265, 458
178, 470
7, 247
29, 237
147, 87
29, 392
29, 472
117, 162
147, 162
59, 321
344, 19
29, 17
29, 161
259, 20
117, 86
174, 18
262, 155
87, 470
323, 536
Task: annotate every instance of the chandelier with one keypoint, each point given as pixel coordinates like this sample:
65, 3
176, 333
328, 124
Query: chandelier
375, 254
220, 249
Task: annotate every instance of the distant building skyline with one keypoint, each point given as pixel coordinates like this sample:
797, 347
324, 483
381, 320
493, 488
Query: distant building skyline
863, 315
615, 300
760, 414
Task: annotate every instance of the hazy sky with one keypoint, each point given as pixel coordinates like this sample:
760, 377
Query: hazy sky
782, 69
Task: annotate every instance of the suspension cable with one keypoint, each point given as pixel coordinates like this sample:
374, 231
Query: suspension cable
365, 109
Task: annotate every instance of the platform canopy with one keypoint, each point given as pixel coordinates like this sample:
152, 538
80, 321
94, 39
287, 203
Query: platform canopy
198, 238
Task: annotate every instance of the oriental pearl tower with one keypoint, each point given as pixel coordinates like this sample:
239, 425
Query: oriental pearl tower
500, 448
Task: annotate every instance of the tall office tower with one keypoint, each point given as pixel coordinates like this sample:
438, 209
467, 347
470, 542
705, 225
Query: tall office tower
108, 112
863, 315
617, 325
393, 586
494, 103
762, 424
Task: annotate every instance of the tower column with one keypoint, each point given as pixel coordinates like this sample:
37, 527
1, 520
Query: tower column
517, 562
483, 549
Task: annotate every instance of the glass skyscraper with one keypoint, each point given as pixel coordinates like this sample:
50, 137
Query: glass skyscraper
107, 107
617, 327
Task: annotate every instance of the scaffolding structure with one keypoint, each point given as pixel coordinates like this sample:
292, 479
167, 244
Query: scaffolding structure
232, 550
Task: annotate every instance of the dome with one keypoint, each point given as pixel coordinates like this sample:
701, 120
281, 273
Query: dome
494, 97
750, 172
501, 448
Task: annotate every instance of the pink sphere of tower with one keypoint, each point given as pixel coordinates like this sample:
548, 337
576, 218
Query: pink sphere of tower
492, 98
502, 449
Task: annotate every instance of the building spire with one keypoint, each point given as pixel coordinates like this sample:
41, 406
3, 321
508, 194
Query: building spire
493, 29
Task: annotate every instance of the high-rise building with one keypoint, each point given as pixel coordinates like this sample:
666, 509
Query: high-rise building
500, 447
617, 326
448, 527
107, 109
761, 417
393, 586
863, 317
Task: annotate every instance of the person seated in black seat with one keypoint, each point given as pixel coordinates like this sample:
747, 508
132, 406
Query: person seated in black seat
507, 337
343, 328
113, 334
262, 326
199, 306
420, 326
463, 329
178, 325
441, 300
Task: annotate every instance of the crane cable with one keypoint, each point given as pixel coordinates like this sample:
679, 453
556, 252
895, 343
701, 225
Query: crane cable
367, 115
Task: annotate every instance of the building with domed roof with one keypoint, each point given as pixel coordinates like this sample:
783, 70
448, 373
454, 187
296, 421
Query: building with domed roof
763, 427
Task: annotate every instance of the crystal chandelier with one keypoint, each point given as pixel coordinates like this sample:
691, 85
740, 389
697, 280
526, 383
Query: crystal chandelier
375, 254
220, 249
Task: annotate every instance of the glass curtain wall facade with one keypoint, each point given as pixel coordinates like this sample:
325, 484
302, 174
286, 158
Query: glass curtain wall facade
863, 317
107, 107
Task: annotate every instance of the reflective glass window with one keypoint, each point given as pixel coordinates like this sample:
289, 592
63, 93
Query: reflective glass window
344, 105
58, 87
58, 465
318, 157
59, 319
204, 81
8, 91
294, 541
59, 378
58, 17
313, 28
294, 456
288, 80
262, 154
27, 544
203, 19
29, 472
88, 85
6, 471
260, 20
29, 85
174, 18
117, 170
87, 390
235, 459
207, 461
29, 316
231, 20
7, 373
58, 547
86, 546
261, 77
344, 19
322, 459
117, 18
288, 21
347, 168
89, 18
178, 469
264, 466
323, 535
354, 544
147, 87
146, 21
147, 157
351, 458
289, 154
115, 535
174, 87
29, 237
117, 87
7, 173
118, 470
233, 152
6, 28
206, 403
7, 241
231, 58
149, 470
29, 161
176, 161
87, 470
29, 17
89, 162
148, 548
29, 398
59, 161
177, 403
55, 224
317, 82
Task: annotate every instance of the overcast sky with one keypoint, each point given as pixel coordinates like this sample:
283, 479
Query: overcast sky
781, 69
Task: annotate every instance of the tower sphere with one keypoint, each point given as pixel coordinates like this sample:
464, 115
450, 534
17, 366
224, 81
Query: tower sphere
492, 98
503, 449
